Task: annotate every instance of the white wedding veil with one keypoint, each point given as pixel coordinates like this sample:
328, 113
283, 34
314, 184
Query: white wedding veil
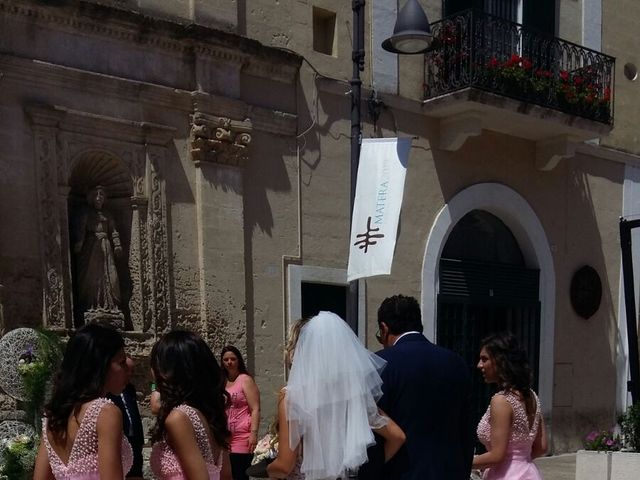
331, 397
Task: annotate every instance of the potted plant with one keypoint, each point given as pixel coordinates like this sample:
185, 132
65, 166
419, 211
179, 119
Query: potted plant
626, 463
608, 456
594, 462
33, 356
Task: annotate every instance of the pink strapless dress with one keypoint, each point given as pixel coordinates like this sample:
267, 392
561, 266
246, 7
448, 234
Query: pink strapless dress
83, 459
164, 462
517, 465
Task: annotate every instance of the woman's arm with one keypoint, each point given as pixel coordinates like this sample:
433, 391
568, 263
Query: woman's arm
154, 402
539, 447
109, 430
286, 460
181, 437
252, 393
501, 418
225, 474
42, 470
393, 436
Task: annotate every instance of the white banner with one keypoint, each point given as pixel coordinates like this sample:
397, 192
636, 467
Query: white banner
379, 190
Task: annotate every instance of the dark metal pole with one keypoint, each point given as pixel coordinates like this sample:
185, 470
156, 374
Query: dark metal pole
630, 306
357, 57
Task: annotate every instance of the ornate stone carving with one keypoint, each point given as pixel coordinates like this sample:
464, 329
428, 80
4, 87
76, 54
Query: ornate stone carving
55, 306
157, 240
62, 139
96, 244
220, 140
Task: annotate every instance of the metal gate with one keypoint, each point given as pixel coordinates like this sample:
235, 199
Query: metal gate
480, 298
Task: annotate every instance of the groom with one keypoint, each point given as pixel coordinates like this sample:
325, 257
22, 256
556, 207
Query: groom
426, 392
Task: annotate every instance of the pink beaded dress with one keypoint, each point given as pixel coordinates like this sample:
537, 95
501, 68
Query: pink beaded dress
164, 462
83, 459
518, 464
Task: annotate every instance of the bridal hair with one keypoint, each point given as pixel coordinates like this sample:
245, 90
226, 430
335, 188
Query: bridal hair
512, 364
294, 334
82, 374
186, 371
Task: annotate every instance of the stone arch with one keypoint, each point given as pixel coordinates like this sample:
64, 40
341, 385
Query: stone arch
516, 213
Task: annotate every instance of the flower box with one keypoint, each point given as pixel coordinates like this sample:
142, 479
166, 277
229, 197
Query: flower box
596, 465
625, 466
593, 465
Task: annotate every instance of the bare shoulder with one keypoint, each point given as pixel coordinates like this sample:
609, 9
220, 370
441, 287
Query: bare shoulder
176, 418
247, 380
110, 416
282, 394
500, 404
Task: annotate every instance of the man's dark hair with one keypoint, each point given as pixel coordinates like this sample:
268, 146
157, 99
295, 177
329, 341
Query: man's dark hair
401, 314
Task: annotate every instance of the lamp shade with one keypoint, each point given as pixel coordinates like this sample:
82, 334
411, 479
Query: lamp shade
412, 33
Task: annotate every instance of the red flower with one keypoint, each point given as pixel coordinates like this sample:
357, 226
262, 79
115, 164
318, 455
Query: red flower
515, 58
577, 80
607, 94
526, 64
564, 76
492, 63
589, 98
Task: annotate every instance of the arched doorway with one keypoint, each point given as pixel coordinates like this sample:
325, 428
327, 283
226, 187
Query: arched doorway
486, 287
518, 215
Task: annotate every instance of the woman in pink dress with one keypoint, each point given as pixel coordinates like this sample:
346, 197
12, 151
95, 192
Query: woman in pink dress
243, 411
512, 429
191, 436
79, 419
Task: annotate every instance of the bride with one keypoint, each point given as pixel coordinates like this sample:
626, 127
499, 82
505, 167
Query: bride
327, 411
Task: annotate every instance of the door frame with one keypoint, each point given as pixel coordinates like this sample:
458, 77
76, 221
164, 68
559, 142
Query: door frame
516, 213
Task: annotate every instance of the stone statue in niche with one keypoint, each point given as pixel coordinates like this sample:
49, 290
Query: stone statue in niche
96, 244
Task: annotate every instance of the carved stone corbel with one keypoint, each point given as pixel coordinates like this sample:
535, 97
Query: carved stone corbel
455, 131
220, 140
549, 152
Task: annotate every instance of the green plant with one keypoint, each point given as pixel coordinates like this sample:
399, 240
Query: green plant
19, 457
36, 365
630, 423
604, 440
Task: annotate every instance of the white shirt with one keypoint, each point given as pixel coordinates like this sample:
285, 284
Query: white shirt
406, 333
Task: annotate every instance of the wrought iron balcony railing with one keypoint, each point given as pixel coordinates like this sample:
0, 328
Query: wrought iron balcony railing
474, 49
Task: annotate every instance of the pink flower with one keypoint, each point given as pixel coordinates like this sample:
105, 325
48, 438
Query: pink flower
592, 436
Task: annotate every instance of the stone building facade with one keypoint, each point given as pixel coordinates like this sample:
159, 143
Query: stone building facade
220, 131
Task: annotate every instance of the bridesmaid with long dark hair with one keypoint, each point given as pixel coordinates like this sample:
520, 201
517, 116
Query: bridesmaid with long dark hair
82, 437
512, 429
191, 435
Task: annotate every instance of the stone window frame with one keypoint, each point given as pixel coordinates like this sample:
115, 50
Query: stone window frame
61, 137
297, 274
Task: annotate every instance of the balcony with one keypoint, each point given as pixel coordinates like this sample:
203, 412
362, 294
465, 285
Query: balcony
483, 72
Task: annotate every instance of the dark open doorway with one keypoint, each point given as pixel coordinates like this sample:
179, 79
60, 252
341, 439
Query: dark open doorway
485, 287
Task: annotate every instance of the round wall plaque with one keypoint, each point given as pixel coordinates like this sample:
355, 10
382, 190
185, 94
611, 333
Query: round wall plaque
586, 291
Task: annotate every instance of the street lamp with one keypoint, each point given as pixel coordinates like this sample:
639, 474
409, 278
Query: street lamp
411, 35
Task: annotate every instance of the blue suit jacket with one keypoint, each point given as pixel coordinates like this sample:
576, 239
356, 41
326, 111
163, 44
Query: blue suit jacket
426, 392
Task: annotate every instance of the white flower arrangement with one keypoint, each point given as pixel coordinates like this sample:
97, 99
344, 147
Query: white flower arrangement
266, 449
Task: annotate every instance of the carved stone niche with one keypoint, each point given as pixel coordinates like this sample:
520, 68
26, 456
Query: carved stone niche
220, 140
76, 151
